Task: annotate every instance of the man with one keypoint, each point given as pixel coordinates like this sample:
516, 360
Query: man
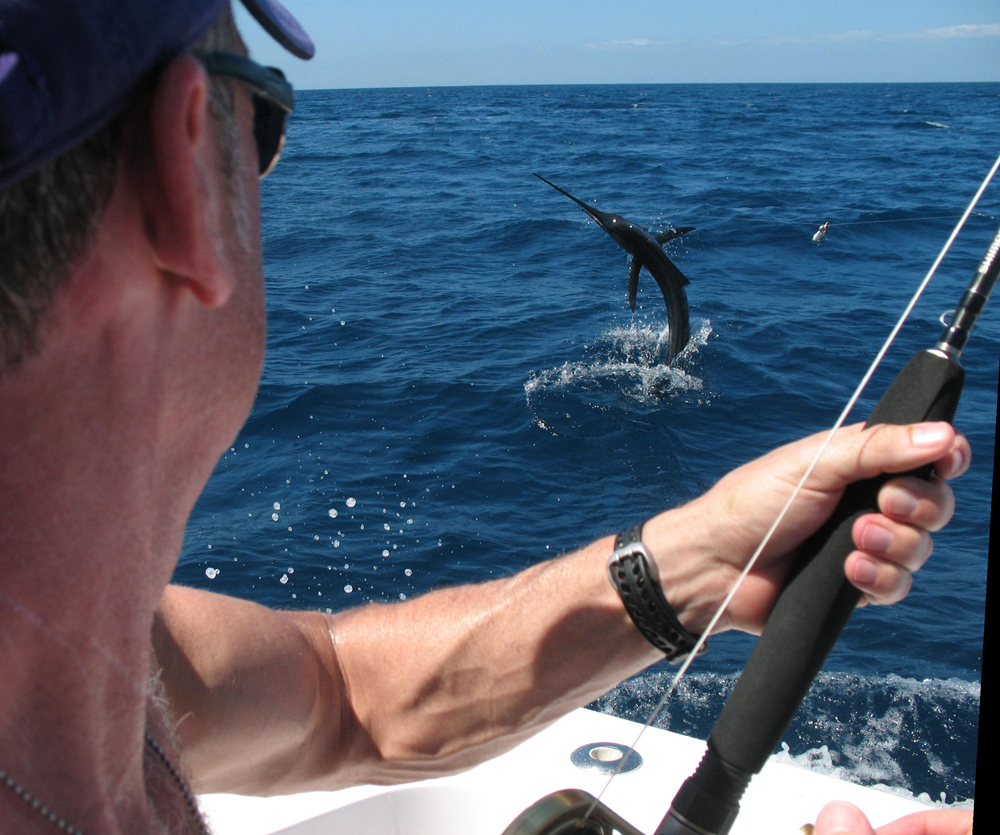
132, 136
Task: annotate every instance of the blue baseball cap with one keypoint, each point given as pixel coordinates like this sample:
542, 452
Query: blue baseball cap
68, 66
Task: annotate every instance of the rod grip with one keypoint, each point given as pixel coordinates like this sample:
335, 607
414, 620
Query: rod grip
812, 610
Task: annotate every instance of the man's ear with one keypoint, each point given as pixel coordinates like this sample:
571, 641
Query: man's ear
183, 187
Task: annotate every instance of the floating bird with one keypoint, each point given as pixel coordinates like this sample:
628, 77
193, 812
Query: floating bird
647, 251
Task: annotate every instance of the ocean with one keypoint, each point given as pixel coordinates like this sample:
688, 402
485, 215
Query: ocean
455, 387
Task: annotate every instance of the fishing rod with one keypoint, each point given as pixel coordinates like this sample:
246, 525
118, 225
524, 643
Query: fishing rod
817, 602
808, 617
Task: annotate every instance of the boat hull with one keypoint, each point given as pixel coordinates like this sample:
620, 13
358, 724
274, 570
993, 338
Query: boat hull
484, 800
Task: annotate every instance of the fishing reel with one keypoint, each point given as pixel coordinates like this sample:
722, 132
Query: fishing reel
576, 812
570, 812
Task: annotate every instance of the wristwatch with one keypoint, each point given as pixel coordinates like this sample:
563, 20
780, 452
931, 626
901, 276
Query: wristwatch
632, 571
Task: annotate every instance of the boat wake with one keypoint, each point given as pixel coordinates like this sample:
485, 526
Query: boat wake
623, 369
906, 736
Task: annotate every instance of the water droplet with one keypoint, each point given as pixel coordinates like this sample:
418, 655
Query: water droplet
351, 501
408, 572
211, 573
284, 579
333, 513
348, 588
274, 517
276, 505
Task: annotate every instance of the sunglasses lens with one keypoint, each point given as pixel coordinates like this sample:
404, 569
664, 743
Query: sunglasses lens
269, 132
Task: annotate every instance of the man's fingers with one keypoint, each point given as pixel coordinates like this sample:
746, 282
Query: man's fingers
882, 582
956, 461
891, 449
903, 545
894, 544
914, 501
931, 822
889, 554
840, 818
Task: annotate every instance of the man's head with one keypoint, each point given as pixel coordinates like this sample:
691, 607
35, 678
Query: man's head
72, 74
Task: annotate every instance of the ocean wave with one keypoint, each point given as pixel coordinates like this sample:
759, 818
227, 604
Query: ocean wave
906, 735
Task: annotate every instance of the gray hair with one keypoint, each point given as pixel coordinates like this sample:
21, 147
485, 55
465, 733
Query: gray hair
48, 218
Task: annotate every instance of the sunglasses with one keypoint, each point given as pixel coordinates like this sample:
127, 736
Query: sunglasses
273, 100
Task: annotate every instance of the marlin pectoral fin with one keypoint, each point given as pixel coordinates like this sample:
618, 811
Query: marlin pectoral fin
633, 282
670, 234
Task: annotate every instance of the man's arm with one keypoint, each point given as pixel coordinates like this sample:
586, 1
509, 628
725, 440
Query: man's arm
271, 702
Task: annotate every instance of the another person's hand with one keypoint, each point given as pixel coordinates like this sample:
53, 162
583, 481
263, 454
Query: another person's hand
840, 818
725, 526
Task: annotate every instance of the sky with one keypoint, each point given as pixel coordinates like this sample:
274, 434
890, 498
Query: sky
394, 43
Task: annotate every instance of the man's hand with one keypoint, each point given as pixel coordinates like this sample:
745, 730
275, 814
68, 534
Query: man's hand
839, 818
727, 524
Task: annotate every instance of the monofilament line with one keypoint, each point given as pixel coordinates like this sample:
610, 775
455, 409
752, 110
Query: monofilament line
809, 471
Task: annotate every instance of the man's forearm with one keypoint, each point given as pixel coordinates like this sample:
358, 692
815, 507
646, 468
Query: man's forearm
272, 702
462, 674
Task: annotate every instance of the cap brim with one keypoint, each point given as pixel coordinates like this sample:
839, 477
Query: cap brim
281, 26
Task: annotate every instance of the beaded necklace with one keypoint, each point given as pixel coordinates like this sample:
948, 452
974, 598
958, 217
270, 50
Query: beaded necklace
63, 825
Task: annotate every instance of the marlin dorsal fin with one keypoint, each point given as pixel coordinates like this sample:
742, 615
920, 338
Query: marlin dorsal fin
670, 234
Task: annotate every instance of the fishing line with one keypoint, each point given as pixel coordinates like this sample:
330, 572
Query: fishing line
832, 214
801, 483
895, 220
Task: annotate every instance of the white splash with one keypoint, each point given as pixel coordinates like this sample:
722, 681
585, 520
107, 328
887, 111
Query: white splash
625, 365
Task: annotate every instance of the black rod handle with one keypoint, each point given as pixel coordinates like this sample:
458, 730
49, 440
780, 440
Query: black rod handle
807, 619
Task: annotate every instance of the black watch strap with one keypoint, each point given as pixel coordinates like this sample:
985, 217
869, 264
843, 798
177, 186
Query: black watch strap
633, 573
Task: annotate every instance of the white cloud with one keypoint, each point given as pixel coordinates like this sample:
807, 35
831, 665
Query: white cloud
983, 30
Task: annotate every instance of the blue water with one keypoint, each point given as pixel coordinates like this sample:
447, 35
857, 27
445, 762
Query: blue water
455, 387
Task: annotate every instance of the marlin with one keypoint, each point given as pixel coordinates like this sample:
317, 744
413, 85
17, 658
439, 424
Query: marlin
647, 251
